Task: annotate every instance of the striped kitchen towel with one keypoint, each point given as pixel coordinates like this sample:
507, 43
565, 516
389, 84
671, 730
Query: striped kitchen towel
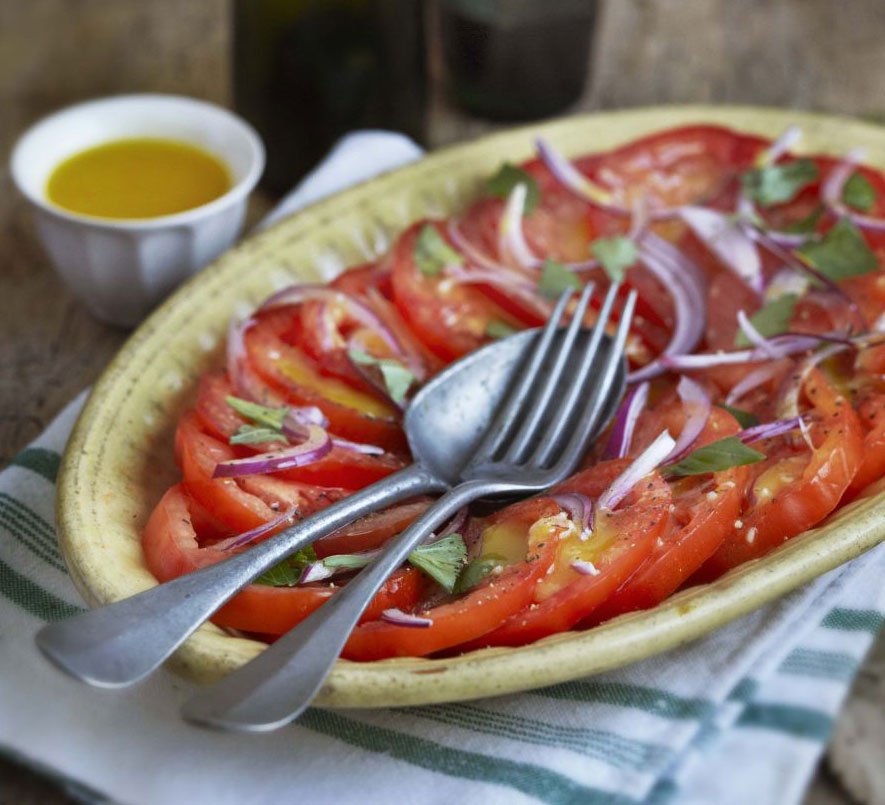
739, 716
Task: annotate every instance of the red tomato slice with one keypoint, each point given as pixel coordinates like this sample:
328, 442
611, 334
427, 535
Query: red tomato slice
478, 611
871, 412
172, 549
793, 491
621, 541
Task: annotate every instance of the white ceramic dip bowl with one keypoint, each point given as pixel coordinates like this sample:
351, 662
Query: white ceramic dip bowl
121, 268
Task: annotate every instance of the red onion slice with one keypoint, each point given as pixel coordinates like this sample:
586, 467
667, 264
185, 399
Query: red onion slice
788, 406
646, 462
511, 238
400, 618
781, 146
579, 508
317, 445
570, 177
753, 335
697, 405
753, 379
584, 568
834, 184
625, 421
259, 531
768, 430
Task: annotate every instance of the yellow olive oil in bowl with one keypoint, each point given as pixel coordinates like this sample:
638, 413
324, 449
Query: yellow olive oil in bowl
138, 178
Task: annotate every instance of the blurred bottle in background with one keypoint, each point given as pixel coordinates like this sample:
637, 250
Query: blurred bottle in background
516, 59
308, 71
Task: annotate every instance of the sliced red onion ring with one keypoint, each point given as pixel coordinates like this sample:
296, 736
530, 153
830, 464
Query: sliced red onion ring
834, 184
728, 240
697, 405
569, 176
320, 570
631, 407
236, 351
647, 461
779, 147
253, 534
511, 284
584, 568
455, 525
473, 254
357, 447
788, 405
768, 430
511, 238
400, 618
753, 335
317, 445
753, 379
806, 433
787, 280
579, 508
781, 346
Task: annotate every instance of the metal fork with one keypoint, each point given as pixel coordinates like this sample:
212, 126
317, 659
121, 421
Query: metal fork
536, 439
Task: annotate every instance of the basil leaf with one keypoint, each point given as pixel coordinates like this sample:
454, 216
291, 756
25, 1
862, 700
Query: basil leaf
495, 328
555, 278
441, 560
841, 253
507, 177
287, 572
346, 561
808, 224
715, 457
859, 193
775, 184
616, 255
259, 414
745, 418
432, 254
772, 319
397, 379
476, 571
254, 434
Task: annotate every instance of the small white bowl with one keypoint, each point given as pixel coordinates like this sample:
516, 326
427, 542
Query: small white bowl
121, 268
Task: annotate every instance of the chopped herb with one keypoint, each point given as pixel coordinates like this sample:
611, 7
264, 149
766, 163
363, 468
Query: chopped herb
745, 418
555, 278
616, 255
255, 434
772, 319
287, 572
808, 224
776, 184
507, 177
476, 571
841, 253
397, 379
441, 560
259, 414
859, 193
432, 254
495, 328
715, 457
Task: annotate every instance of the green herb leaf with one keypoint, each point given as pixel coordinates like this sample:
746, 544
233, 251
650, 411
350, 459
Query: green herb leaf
259, 414
254, 434
346, 561
495, 328
287, 572
715, 457
772, 319
432, 254
745, 418
555, 278
775, 184
859, 193
441, 560
808, 224
616, 255
507, 177
397, 379
476, 571
841, 253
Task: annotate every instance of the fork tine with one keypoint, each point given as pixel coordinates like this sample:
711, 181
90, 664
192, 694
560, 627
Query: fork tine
507, 416
593, 409
568, 403
532, 418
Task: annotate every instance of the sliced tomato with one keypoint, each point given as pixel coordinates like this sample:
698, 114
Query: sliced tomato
620, 542
794, 488
871, 412
480, 610
171, 549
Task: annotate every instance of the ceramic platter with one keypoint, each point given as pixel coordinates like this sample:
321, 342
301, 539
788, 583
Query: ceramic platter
119, 459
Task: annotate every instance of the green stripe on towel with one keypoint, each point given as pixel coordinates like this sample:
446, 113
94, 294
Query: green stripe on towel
40, 460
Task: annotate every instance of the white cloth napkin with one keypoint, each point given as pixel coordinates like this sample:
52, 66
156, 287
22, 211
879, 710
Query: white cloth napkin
739, 716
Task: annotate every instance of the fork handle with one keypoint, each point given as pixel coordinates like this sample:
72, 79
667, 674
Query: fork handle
279, 684
121, 643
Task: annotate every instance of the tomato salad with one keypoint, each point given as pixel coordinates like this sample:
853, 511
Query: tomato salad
755, 404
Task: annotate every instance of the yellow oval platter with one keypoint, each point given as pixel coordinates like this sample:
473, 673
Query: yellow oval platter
119, 459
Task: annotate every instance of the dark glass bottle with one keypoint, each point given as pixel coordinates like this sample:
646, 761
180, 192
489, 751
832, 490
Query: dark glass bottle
516, 59
308, 71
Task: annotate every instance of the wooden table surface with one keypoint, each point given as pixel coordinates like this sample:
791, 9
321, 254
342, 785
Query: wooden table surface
809, 54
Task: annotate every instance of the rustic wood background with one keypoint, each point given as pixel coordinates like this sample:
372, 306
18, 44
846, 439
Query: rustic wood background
810, 54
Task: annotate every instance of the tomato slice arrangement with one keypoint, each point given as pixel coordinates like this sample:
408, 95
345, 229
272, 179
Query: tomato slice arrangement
757, 352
